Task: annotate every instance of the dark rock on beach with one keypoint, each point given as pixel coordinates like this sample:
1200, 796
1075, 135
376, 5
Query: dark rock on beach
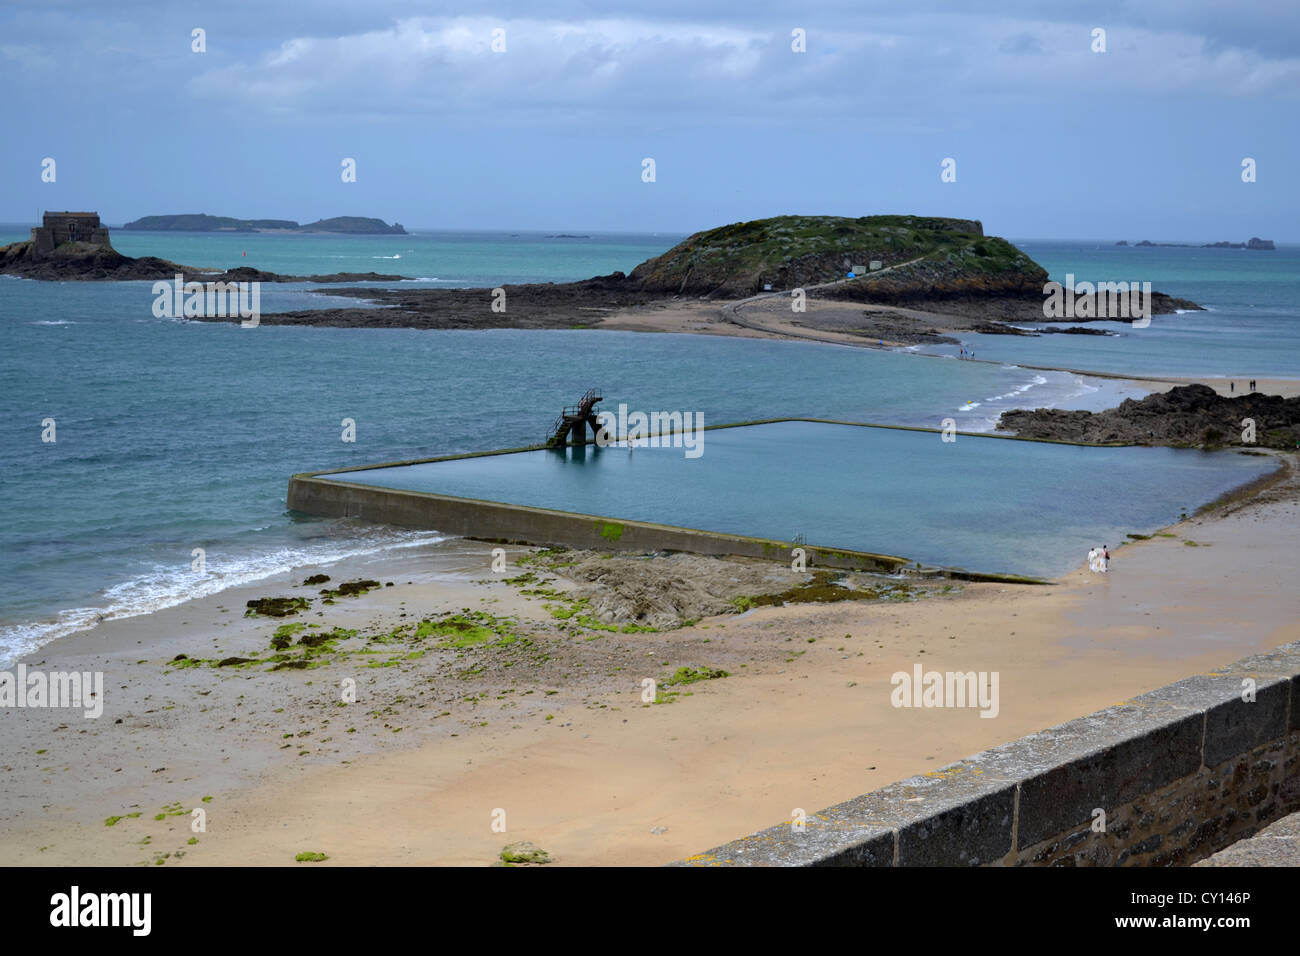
996, 328
1186, 416
1072, 330
275, 606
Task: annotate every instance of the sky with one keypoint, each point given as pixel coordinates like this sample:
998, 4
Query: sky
1050, 137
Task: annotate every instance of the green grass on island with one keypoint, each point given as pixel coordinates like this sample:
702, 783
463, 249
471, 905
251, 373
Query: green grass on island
789, 251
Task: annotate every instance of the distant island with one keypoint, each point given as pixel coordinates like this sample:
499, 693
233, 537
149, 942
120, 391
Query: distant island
1252, 243
76, 245
201, 222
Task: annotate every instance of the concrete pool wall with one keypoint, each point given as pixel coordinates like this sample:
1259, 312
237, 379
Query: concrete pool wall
522, 524
326, 494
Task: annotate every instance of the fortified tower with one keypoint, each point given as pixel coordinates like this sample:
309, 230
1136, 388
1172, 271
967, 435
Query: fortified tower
61, 227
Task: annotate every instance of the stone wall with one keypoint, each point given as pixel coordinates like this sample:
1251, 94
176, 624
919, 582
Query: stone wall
1167, 778
60, 227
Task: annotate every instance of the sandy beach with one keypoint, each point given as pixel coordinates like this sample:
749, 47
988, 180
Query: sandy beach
551, 727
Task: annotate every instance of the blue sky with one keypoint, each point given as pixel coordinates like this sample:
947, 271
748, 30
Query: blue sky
1051, 139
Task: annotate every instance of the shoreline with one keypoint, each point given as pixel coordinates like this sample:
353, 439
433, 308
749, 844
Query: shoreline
803, 719
72, 629
103, 614
551, 727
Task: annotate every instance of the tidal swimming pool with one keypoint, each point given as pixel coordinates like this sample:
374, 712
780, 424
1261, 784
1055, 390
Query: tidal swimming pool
979, 503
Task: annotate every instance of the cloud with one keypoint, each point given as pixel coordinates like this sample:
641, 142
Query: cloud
630, 70
688, 63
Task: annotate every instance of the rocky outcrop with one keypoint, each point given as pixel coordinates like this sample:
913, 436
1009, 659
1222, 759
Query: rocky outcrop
80, 260
927, 263
952, 277
997, 328
789, 252
88, 262
248, 274
1008, 296
1189, 415
543, 305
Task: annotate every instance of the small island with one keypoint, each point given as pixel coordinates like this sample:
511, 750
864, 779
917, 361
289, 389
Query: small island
201, 222
1252, 243
921, 276
76, 245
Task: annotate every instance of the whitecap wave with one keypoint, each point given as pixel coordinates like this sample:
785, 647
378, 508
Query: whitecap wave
1019, 389
165, 586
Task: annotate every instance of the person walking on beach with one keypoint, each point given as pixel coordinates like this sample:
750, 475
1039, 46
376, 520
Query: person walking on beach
1092, 559
1232, 387
1105, 557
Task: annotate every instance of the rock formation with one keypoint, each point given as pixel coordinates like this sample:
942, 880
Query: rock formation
1189, 415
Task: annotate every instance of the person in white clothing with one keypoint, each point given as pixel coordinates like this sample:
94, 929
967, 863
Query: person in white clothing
1092, 559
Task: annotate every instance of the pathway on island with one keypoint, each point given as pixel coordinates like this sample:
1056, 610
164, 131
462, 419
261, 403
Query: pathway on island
731, 311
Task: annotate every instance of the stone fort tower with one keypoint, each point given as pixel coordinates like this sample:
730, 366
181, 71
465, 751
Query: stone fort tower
61, 227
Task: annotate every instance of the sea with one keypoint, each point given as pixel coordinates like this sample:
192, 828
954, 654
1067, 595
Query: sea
173, 438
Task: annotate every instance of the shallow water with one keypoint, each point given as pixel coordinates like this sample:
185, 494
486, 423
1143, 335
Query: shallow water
1251, 328
985, 504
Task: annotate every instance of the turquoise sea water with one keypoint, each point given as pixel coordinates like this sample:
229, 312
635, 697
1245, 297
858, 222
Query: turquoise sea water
174, 435
867, 489
451, 259
1251, 328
